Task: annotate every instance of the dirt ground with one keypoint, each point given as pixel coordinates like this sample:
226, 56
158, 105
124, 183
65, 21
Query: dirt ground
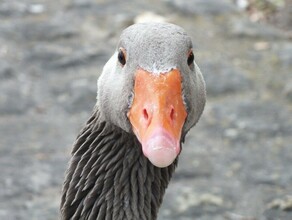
236, 163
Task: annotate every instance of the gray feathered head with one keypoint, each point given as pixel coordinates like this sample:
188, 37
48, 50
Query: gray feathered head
153, 88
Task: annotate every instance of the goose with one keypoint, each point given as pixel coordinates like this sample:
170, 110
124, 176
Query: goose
150, 94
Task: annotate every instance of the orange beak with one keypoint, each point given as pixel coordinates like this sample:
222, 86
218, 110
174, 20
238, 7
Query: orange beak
158, 114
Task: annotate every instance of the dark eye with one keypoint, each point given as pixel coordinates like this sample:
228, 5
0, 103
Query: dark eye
190, 58
122, 57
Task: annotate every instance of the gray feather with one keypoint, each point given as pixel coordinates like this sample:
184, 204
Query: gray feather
157, 48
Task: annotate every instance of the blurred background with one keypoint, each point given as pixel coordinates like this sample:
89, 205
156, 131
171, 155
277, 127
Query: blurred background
236, 163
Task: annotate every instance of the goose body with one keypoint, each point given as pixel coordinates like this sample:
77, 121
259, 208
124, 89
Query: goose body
150, 93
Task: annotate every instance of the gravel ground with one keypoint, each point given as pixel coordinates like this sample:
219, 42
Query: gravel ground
236, 163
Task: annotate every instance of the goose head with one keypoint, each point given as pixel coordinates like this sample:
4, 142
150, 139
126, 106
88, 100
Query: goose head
153, 88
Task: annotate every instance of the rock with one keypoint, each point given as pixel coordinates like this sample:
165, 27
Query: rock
20, 9
12, 8
6, 70
272, 214
242, 4
282, 204
263, 119
82, 3
288, 91
204, 7
262, 177
80, 57
261, 45
211, 199
4, 214
149, 17
189, 202
284, 53
44, 31
14, 99
245, 28
36, 8
58, 56
252, 119
233, 216
47, 53
201, 168
79, 97
221, 78
39, 177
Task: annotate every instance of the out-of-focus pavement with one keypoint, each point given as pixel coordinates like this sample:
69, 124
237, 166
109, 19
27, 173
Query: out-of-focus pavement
236, 163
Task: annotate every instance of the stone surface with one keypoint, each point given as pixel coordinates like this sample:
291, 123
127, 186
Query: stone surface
288, 91
234, 164
246, 28
16, 99
284, 53
6, 71
210, 7
222, 78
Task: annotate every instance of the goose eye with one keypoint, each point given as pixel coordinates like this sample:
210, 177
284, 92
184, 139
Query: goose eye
190, 58
122, 57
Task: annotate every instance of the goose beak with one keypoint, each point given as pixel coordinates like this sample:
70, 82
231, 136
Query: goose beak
158, 114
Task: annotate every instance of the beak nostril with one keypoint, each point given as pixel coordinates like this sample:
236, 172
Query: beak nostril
172, 114
145, 114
